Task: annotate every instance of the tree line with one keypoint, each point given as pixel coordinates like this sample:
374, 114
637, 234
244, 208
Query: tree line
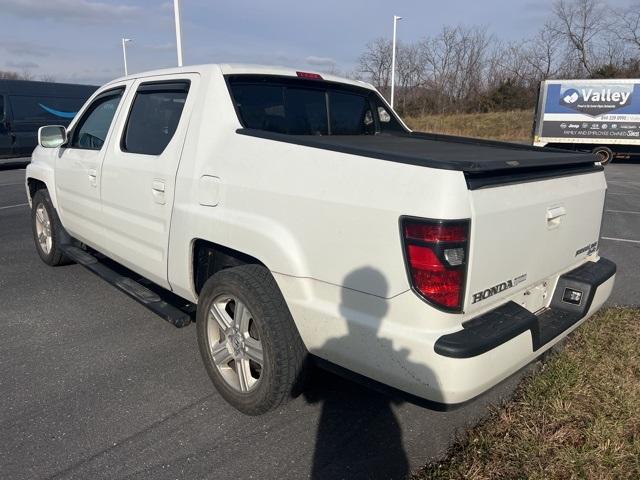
467, 69
25, 75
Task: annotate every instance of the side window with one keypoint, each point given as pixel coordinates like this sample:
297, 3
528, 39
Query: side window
154, 117
388, 122
350, 114
261, 107
2, 114
91, 130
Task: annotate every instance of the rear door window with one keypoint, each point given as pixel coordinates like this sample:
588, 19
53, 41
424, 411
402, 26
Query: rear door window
154, 117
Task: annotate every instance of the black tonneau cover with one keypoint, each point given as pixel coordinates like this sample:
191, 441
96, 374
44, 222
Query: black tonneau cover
484, 162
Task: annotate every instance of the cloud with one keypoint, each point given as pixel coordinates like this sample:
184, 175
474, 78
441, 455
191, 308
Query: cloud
74, 10
320, 61
20, 48
26, 65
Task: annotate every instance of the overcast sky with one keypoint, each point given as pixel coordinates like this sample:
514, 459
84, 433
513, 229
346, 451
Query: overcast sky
79, 40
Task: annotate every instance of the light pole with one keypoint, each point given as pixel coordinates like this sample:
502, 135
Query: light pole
124, 54
393, 58
176, 14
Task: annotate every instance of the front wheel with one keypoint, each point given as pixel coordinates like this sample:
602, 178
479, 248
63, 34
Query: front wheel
249, 343
48, 232
604, 154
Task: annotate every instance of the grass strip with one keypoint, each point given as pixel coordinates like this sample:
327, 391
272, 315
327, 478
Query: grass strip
577, 416
509, 126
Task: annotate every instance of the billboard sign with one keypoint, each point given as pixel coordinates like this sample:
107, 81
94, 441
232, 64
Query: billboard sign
606, 109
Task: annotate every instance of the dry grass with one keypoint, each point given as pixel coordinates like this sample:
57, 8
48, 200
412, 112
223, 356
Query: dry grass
510, 126
578, 417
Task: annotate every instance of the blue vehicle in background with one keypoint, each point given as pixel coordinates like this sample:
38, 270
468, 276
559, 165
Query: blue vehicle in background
25, 106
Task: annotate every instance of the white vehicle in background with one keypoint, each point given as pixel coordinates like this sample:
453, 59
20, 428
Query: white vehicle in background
300, 219
599, 116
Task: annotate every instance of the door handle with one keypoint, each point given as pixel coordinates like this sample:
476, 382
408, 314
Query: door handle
554, 215
157, 188
92, 177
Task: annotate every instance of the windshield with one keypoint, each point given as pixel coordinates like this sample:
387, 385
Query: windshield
309, 107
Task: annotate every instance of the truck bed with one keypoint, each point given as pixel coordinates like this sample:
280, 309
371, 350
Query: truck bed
484, 162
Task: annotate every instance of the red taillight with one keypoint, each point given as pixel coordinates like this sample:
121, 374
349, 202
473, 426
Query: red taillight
436, 257
435, 232
309, 76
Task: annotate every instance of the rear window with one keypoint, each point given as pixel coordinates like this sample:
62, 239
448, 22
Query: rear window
307, 107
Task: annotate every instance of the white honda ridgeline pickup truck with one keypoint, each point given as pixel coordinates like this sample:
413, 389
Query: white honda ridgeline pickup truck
294, 216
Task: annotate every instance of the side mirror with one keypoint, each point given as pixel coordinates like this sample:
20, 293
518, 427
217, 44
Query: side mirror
52, 136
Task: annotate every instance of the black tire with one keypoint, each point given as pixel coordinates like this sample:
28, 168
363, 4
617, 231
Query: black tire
604, 154
59, 236
282, 374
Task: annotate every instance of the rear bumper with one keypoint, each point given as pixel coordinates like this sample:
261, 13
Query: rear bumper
494, 328
495, 345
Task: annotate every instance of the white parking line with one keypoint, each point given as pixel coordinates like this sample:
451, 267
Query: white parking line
14, 206
622, 211
620, 239
630, 194
10, 184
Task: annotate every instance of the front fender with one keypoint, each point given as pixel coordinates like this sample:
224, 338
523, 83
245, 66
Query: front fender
42, 168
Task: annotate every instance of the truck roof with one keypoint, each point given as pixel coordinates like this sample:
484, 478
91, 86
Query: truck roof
242, 69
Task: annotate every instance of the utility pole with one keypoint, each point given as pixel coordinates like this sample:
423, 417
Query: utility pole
124, 54
393, 58
176, 11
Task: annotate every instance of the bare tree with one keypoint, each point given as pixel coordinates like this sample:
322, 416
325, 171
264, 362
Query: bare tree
455, 64
26, 75
579, 22
409, 71
375, 63
543, 53
464, 68
627, 26
7, 75
47, 77
11, 75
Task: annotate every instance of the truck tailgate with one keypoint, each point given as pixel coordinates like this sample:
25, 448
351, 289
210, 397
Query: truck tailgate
524, 233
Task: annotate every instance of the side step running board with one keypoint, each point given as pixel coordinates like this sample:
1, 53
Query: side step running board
150, 299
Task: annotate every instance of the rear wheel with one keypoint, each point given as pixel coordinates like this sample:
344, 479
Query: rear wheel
248, 341
604, 154
48, 232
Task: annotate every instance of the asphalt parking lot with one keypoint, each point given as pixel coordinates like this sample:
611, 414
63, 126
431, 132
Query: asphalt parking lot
92, 385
